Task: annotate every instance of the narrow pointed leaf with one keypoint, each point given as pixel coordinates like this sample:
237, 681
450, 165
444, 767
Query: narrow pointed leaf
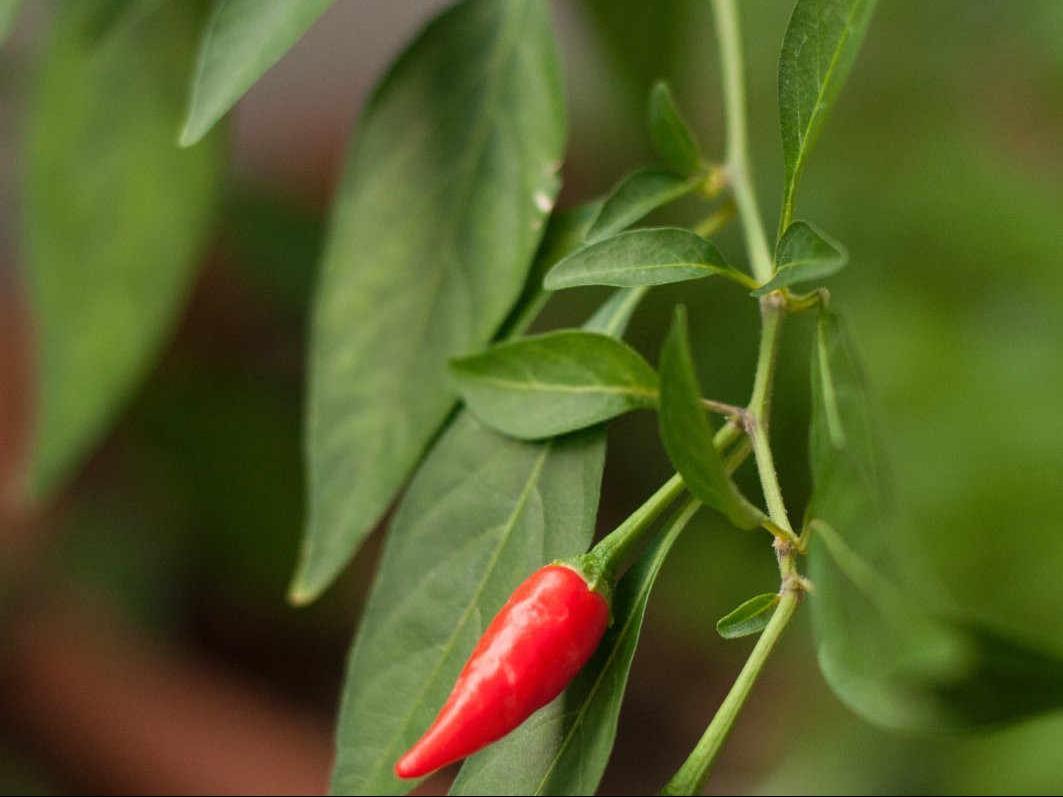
748, 618
115, 217
671, 135
565, 746
440, 211
637, 195
804, 254
654, 256
546, 385
818, 51
242, 40
482, 513
687, 432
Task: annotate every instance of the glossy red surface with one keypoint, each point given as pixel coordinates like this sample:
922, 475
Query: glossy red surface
535, 645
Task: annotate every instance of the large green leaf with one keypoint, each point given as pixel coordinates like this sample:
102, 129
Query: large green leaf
242, 40
565, 746
804, 254
654, 256
818, 51
635, 196
115, 216
554, 383
482, 513
439, 213
687, 433
672, 137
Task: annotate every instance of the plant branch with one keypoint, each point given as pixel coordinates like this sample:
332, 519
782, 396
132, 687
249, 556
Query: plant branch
606, 558
738, 171
691, 776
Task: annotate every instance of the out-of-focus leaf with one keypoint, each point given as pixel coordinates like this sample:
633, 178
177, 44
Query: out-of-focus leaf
884, 654
654, 256
749, 617
672, 138
442, 206
687, 432
242, 40
637, 195
8, 10
482, 513
115, 217
818, 51
804, 254
554, 383
869, 640
564, 747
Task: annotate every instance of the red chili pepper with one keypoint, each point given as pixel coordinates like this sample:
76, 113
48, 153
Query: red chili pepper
536, 644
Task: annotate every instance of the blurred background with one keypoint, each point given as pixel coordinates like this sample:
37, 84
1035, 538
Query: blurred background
145, 643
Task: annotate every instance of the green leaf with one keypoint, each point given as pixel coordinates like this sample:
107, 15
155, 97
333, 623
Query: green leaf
637, 195
750, 617
653, 256
440, 211
671, 136
869, 640
818, 50
687, 432
482, 513
8, 10
564, 747
804, 254
554, 383
242, 40
883, 652
115, 217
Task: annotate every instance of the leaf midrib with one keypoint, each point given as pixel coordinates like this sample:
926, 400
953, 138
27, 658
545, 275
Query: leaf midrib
557, 387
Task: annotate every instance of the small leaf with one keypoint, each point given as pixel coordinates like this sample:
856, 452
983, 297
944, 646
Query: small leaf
550, 384
564, 747
482, 512
637, 195
748, 618
687, 433
818, 50
115, 217
670, 134
653, 256
804, 254
434, 228
242, 40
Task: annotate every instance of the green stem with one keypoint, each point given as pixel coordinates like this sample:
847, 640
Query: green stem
738, 171
691, 777
759, 412
604, 560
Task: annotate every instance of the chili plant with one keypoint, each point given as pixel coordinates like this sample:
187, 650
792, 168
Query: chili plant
443, 250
